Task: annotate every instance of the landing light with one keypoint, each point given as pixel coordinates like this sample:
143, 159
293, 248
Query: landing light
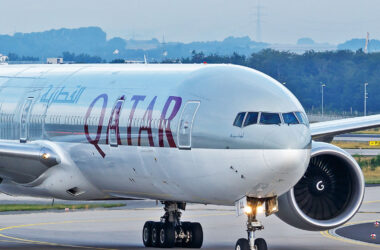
260, 209
45, 156
247, 209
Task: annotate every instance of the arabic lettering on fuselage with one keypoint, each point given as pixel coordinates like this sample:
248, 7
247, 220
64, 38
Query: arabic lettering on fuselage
164, 128
62, 95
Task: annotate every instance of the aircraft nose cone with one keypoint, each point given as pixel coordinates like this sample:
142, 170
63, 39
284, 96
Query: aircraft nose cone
289, 161
288, 137
290, 149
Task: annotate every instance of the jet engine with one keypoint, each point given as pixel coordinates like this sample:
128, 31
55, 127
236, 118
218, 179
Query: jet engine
328, 195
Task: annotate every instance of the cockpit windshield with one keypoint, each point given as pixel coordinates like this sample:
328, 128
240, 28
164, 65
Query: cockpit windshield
244, 119
302, 118
251, 118
290, 118
270, 118
239, 119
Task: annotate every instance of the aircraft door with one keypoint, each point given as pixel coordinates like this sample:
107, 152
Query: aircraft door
186, 124
24, 119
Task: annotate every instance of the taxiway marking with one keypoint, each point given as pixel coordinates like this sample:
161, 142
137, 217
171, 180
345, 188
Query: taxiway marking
332, 235
27, 241
36, 242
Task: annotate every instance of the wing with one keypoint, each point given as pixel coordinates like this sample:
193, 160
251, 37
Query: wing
25, 162
325, 131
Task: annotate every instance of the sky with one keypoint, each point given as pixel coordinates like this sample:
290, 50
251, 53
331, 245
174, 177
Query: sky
282, 21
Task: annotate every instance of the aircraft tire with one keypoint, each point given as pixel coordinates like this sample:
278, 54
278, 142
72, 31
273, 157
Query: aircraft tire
147, 233
242, 244
196, 235
261, 244
167, 235
156, 226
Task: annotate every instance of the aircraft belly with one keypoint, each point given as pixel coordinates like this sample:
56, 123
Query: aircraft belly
212, 176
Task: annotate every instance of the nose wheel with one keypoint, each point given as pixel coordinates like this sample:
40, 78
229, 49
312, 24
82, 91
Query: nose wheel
171, 232
251, 206
243, 244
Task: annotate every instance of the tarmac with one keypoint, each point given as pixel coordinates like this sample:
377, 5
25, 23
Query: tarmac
364, 152
360, 138
357, 137
120, 228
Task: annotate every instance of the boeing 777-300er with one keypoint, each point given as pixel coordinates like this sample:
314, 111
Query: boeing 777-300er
209, 134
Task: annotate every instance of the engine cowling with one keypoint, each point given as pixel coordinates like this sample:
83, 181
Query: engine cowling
328, 195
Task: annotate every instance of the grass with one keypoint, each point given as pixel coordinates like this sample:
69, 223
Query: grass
371, 168
39, 207
369, 165
371, 176
355, 144
368, 131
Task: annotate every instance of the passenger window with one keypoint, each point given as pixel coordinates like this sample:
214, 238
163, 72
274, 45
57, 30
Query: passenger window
270, 118
251, 118
290, 118
302, 118
239, 119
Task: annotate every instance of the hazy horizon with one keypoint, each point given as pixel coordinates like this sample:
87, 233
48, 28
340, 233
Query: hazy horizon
198, 20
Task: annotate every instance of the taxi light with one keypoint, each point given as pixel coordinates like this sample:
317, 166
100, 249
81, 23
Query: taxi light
248, 210
260, 209
45, 156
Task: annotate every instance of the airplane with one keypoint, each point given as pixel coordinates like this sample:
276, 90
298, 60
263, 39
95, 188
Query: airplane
177, 133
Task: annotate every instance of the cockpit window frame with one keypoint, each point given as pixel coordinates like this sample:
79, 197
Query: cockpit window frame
242, 123
294, 113
246, 116
304, 117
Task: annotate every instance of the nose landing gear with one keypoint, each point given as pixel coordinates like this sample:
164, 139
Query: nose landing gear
251, 207
170, 231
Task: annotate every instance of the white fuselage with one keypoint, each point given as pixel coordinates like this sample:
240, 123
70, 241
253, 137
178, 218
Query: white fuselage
162, 132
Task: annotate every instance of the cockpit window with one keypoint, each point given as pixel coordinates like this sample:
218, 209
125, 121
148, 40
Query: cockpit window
302, 118
251, 118
239, 119
290, 118
270, 118
306, 119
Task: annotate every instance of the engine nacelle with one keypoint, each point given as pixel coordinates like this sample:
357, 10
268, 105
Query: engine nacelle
328, 195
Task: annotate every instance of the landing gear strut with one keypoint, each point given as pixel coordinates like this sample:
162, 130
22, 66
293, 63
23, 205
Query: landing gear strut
170, 231
251, 208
